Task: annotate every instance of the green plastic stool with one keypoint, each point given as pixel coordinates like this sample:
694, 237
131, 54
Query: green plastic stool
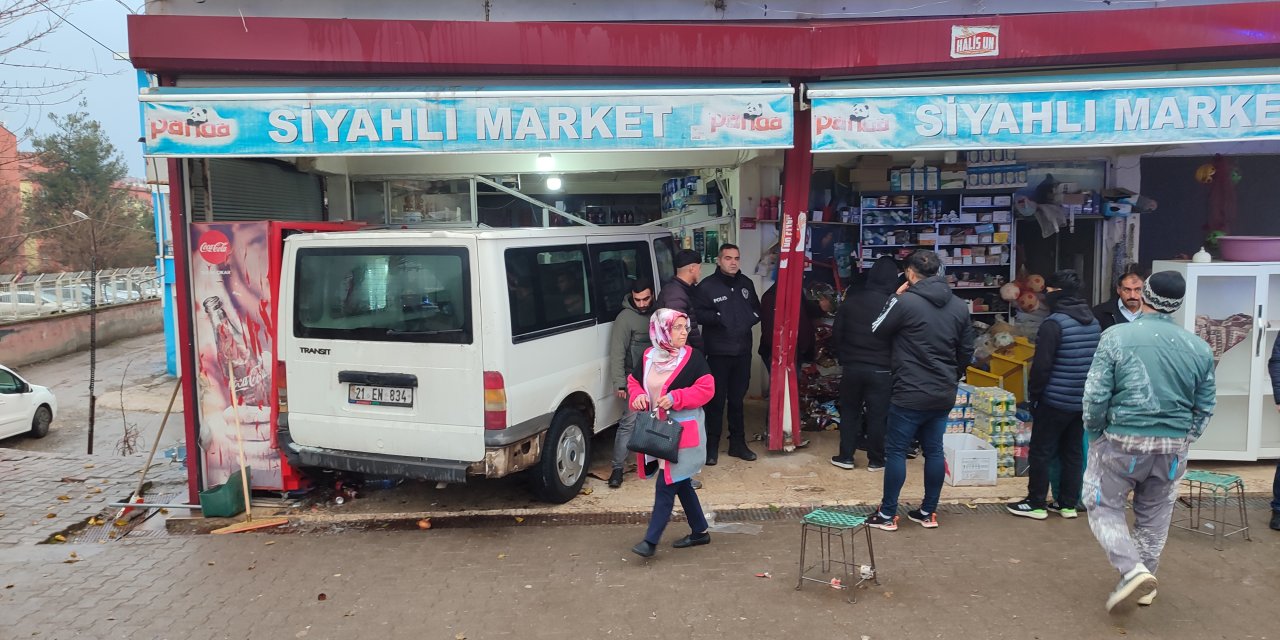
830, 526
1219, 486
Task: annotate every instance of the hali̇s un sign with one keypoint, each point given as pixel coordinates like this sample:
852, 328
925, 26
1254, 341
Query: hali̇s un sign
975, 42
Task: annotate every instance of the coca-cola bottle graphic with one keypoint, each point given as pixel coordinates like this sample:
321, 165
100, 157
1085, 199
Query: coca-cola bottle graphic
246, 366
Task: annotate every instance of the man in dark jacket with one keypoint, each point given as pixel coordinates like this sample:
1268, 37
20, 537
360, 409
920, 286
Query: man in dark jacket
932, 339
865, 361
1126, 305
1065, 345
677, 293
1273, 368
627, 342
727, 309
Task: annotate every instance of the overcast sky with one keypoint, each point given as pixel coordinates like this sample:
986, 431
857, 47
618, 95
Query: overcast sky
112, 98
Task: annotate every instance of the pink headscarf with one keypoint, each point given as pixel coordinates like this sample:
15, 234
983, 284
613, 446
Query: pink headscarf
664, 355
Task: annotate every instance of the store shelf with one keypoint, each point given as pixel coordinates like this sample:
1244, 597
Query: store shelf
905, 206
892, 246
846, 224
974, 244
899, 224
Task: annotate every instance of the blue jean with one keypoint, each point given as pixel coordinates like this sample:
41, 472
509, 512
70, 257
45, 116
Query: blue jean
665, 498
1275, 490
906, 425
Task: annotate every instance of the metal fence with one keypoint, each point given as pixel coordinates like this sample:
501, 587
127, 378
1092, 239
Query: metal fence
24, 296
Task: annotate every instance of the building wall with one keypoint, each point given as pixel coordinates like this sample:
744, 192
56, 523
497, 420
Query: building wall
653, 10
10, 196
39, 339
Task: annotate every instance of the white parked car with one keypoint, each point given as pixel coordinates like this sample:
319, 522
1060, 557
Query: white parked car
25, 408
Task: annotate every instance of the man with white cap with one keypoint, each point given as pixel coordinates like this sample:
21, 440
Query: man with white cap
1149, 395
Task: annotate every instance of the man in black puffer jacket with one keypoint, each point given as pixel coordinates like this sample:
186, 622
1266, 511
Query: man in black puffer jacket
727, 308
1065, 345
932, 345
865, 361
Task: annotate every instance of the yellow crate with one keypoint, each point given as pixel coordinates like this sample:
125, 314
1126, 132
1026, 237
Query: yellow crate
1020, 351
1006, 373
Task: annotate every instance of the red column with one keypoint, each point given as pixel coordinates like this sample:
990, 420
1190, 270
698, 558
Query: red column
783, 387
186, 341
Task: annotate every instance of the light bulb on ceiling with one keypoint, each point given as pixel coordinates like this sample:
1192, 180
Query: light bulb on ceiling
554, 183
545, 162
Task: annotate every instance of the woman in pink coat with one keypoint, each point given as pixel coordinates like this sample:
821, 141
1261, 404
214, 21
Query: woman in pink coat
673, 380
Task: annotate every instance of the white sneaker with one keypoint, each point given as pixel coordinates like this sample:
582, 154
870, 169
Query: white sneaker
1137, 584
1147, 599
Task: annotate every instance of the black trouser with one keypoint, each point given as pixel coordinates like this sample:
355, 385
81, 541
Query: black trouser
665, 498
864, 409
1055, 434
733, 376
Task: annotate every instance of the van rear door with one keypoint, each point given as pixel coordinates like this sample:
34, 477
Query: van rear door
384, 355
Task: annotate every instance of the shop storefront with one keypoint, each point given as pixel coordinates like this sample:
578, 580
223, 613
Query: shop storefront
1010, 178
258, 124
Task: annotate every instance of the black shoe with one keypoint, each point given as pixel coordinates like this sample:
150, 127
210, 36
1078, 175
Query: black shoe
692, 540
615, 479
712, 459
913, 453
644, 549
742, 452
1275, 520
843, 463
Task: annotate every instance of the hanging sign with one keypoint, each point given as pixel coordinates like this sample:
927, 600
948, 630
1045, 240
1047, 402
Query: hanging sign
975, 42
1046, 114
362, 122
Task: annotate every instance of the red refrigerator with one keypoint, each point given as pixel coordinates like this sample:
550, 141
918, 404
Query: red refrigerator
235, 282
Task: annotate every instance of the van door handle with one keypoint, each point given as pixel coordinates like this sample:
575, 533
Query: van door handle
379, 379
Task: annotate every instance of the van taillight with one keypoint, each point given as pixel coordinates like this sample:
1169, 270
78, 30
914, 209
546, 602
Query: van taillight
282, 389
495, 401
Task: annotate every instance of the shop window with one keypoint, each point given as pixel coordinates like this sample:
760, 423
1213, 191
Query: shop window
429, 201
549, 290
369, 202
616, 267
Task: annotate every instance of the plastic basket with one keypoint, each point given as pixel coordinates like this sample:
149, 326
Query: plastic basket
224, 500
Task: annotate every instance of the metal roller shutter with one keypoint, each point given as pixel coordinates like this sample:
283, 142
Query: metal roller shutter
260, 190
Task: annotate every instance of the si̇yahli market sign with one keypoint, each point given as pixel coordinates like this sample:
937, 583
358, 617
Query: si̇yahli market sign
1046, 114
372, 122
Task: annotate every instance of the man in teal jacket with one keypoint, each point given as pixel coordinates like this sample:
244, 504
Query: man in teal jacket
1149, 395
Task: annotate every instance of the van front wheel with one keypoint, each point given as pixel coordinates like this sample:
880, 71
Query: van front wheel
565, 455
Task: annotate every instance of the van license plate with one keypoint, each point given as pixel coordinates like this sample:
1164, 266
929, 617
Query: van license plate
380, 396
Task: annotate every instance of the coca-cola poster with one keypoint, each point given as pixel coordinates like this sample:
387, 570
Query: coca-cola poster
232, 316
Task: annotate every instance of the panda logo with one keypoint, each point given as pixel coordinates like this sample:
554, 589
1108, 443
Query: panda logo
753, 111
198, 116
860, 112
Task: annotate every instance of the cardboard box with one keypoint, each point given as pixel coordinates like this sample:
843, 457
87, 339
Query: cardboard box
1002, 238
977, 201
971, 462
1002, 201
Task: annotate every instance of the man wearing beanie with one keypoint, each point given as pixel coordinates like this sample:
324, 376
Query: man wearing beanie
1149, 395
1064, 350
677, 293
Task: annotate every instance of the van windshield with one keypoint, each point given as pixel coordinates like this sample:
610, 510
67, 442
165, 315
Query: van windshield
399, 294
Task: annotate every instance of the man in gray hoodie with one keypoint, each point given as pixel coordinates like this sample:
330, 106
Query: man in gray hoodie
627, 342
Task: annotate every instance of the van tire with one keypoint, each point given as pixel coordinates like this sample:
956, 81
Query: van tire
566, 454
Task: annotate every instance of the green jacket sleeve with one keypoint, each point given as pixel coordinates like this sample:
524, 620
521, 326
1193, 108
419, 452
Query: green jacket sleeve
619, 342
1206, 396
1099, 385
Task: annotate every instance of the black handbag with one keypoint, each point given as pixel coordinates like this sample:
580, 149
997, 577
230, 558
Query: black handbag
654, 437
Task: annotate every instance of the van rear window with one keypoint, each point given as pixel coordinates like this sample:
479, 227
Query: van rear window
380, 294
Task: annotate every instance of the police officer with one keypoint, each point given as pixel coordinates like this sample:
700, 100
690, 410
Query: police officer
727, 308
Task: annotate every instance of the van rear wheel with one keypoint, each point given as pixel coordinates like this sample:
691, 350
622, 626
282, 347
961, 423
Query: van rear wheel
565, 455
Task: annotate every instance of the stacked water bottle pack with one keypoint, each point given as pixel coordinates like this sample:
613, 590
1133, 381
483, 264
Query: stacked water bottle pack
996, 420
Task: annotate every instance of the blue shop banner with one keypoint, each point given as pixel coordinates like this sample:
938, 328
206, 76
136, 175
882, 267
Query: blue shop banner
1066, 112
362, 121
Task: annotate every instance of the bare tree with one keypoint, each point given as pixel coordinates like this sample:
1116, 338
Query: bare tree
23, 24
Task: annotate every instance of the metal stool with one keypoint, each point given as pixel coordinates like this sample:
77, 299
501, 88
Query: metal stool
1219, 486
832, 525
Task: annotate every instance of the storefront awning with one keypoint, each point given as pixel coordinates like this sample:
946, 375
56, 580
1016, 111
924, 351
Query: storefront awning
1046, 111
183, 122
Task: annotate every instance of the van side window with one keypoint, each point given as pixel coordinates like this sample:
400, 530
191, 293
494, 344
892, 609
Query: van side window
549, 288
664, 249
616, 266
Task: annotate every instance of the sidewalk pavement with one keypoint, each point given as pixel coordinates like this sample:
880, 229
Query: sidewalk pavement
42, 494
982, 574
